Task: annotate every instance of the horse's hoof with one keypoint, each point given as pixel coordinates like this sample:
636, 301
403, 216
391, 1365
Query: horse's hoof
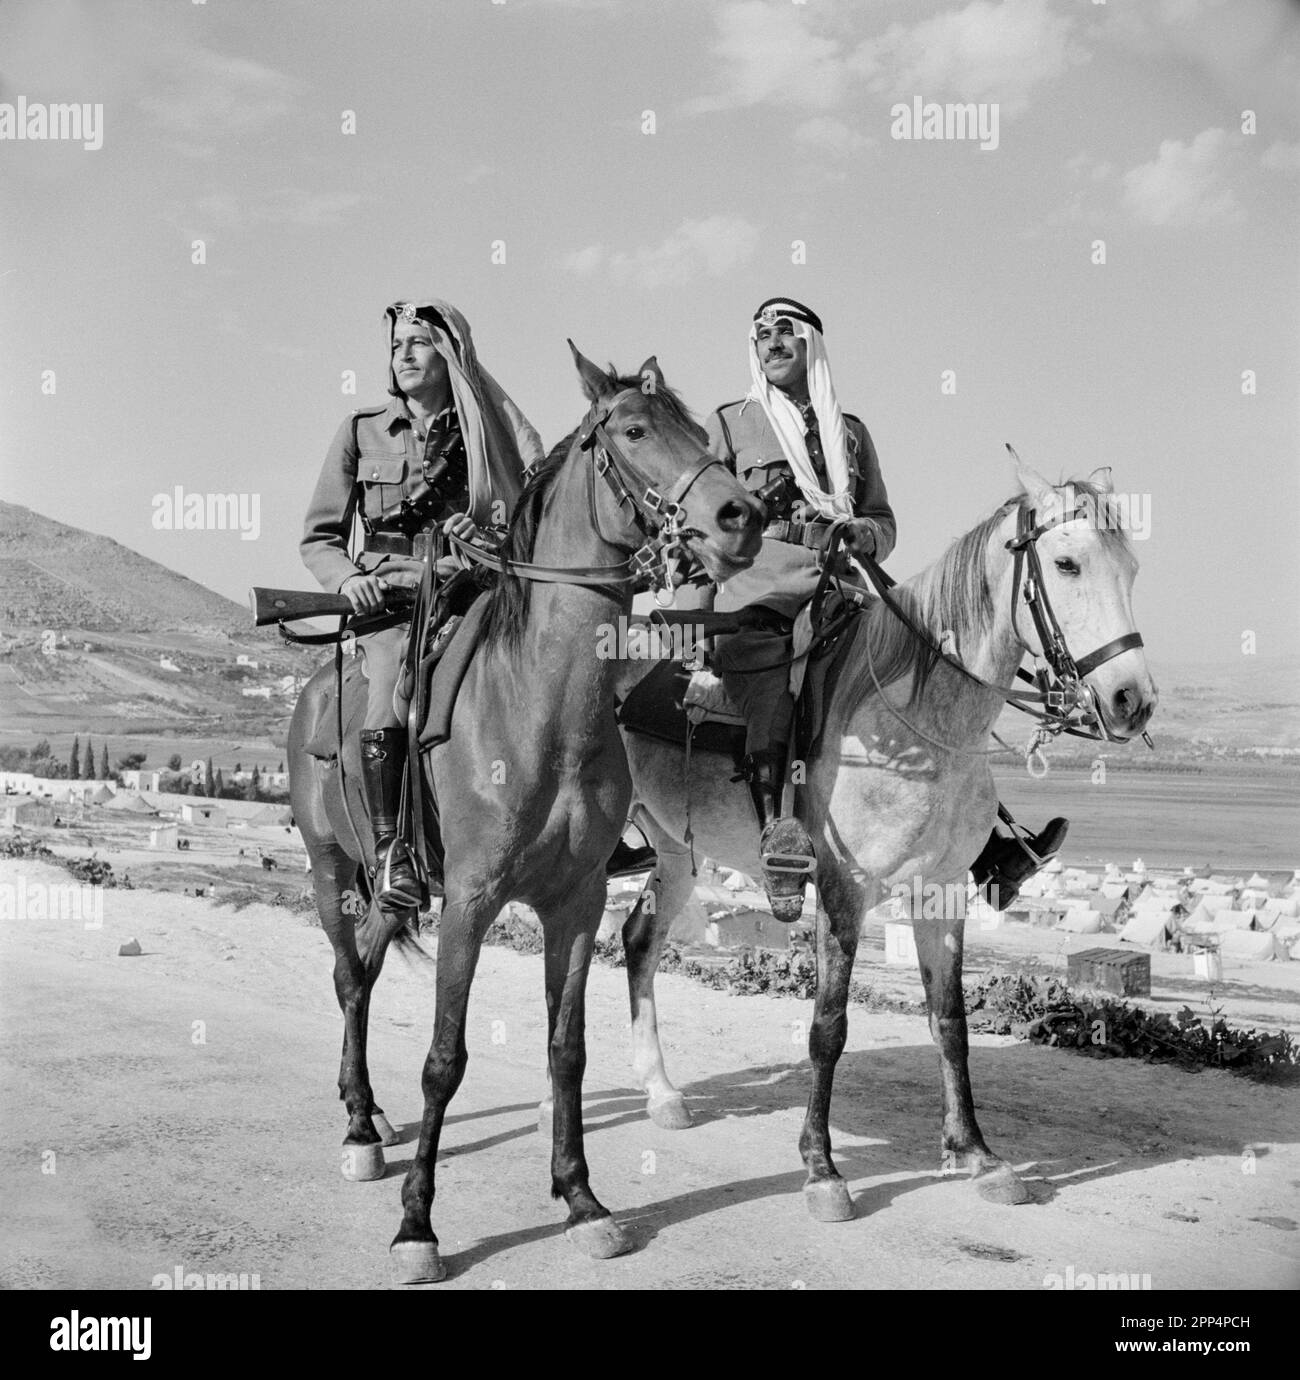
546, 1118
361, 1163
416, 1262
670, 1113
601, 1239
384, 1129
828, 1200
1002, 1186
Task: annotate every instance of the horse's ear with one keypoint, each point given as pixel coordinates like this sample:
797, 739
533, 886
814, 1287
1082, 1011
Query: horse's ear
1100, 479
595, 383
652, 380
1031, 482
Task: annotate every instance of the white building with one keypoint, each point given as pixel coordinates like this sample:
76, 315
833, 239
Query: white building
203, 813
168, 664
244, 660
164, 837
257, 692
142, 780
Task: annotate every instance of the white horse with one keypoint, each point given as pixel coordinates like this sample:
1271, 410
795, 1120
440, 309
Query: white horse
901, 790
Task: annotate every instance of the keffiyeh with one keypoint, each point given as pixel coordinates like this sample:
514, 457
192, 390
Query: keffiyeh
787, 421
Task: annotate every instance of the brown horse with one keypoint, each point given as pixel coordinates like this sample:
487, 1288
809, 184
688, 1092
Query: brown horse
533, 784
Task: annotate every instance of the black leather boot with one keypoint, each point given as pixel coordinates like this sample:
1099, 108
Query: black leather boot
382, 757
1005, 863
625, 860
784, 847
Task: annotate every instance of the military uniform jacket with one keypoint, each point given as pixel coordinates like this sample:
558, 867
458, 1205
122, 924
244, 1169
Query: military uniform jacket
374, 461
784, 576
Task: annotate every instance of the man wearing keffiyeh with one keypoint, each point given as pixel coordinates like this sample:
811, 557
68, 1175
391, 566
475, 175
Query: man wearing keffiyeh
790, 442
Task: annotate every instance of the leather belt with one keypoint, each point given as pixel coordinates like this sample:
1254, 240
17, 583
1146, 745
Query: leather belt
811, 534
420, 544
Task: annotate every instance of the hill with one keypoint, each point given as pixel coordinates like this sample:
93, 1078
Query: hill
56, 576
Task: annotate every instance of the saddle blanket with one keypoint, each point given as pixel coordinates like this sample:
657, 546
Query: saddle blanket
666, 702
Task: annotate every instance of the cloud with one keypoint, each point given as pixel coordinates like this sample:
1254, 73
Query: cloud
985, 52
1281, 157
284, 206
768, 53
697, 248
1186, 184
832, 136
197, 93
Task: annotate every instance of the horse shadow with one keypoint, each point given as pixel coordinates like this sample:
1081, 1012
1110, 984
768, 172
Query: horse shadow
886, 1117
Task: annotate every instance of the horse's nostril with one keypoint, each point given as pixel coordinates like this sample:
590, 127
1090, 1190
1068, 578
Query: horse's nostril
736, 517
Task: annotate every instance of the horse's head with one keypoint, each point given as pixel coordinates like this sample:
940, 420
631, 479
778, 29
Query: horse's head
1087, 568
647, 446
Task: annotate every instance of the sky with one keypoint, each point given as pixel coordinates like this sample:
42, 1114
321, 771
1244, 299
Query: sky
639, 176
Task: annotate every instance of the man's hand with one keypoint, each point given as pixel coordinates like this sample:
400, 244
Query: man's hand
860, 537
461, 525
364, 592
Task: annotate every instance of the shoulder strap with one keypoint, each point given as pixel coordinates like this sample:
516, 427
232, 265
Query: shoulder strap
726, 436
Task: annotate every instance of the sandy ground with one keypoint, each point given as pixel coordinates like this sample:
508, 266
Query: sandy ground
185, 1101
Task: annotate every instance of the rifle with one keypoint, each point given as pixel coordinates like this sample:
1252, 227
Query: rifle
275, 605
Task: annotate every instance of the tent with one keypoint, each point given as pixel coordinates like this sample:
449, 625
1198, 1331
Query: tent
1105, 906
1081, 921
1151, 929
1256, 880
130, 803
1250, 945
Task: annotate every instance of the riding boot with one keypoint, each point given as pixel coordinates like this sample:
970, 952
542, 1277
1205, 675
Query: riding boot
1006, 862
625, 860
382, 757
784, 846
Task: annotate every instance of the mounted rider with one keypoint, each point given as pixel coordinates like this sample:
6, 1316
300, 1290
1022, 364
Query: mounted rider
445, 456
789, 441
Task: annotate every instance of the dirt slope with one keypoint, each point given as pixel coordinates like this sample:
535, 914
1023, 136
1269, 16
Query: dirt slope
222, 1155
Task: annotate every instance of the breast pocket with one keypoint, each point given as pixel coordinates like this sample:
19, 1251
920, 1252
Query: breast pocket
381, 475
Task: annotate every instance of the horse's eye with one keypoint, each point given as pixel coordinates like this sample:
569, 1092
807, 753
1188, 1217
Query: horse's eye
635, 433
1067, 567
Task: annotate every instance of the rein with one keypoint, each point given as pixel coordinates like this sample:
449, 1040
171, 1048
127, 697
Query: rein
657, 515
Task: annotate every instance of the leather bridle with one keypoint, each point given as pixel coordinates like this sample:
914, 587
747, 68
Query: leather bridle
1068, 705
1070, 693
657, 515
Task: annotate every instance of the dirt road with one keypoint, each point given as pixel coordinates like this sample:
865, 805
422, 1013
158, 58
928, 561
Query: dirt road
179, 1110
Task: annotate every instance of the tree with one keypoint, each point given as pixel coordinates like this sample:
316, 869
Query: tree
282, 766
74, 759
209, 781
132, 761
103, 763
41, 752
220, 784
238, 769
88, 763
174, 762
250, 786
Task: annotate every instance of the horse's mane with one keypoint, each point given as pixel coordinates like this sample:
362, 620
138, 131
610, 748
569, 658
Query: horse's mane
511, 599
951, 595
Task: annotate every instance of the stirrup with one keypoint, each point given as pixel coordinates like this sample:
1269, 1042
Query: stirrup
392, 894
798, 864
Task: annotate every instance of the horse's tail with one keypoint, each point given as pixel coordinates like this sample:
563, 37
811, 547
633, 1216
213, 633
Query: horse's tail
409, 942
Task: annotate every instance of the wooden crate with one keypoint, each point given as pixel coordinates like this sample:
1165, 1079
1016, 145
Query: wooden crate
1113, 970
